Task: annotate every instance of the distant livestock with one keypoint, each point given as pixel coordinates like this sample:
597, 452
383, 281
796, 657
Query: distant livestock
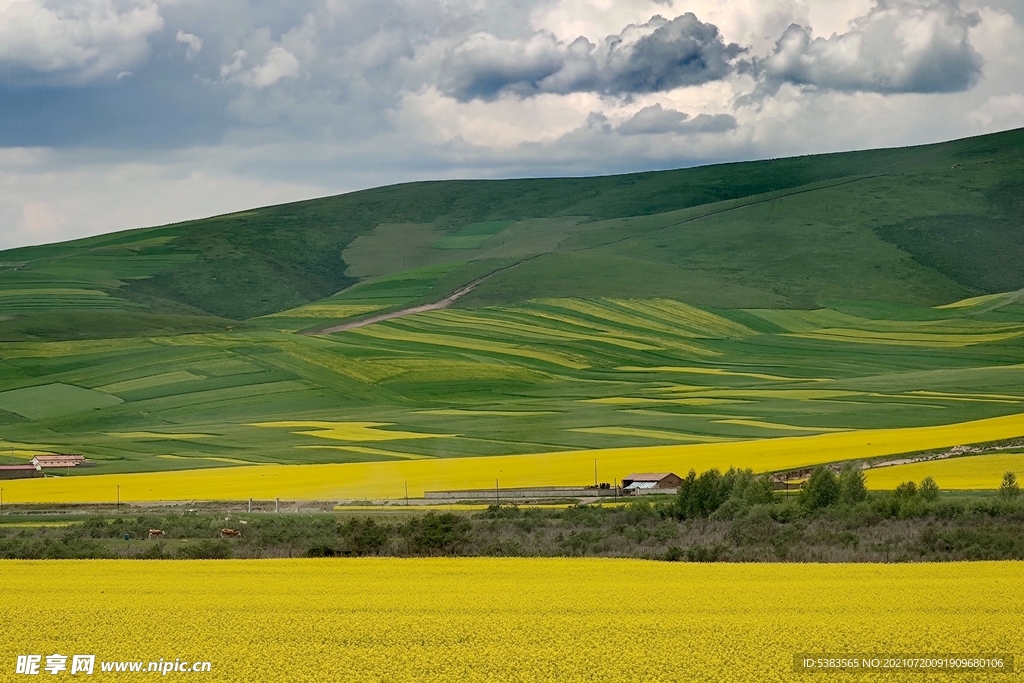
230, 532
156, 533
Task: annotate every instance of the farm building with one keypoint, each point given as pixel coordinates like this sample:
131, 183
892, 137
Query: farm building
18, 471
50, 461
650, 481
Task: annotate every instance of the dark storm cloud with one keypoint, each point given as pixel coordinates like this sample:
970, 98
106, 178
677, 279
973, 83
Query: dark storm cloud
918, 46
680, 52
656, 56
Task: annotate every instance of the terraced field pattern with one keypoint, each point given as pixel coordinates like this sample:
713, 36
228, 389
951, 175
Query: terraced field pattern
765, 314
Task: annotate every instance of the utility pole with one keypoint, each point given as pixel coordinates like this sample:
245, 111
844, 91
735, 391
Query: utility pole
119, 497
595, 472
407, 493
497, 494
1, 499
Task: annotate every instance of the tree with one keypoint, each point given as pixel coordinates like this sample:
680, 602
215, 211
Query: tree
907, 489
700, 496
821, 490
1009, 489
752, 489
928, 489
851, 485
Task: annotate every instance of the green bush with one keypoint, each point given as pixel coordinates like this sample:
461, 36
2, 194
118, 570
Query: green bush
434, 533
365, 536
907, 489
674, 554
1009, 489
702, 553
154, 552
929, 490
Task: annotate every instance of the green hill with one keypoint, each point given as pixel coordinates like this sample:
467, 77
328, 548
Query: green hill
736, 301
918, 225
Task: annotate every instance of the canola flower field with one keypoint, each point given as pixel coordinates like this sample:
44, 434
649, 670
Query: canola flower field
505, 619
383, 480
977, 472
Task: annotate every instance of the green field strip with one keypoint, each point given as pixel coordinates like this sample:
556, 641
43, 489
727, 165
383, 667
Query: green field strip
204, 400
442, 321
320, 375
702, 323
205, 385
99, 370
649, 434
173, 377
506, 327
13, 351
390, 332
608, 313
933, 340
53, 400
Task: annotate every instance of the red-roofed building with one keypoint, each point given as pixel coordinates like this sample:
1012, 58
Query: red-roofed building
649, 481
18, 471
54, 461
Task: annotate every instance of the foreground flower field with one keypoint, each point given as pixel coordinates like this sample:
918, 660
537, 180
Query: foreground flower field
503, 619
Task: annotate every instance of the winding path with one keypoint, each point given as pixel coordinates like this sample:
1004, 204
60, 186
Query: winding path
422, 308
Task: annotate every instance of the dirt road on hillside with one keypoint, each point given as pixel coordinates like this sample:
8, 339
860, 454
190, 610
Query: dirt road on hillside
422, 308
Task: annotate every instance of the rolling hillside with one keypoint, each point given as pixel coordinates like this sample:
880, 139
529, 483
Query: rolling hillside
924, 225
791, 297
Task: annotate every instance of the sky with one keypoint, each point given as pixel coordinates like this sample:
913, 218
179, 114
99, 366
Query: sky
127, 113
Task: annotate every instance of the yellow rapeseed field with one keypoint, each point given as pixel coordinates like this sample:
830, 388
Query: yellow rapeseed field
968, 473
379, 480
530, 620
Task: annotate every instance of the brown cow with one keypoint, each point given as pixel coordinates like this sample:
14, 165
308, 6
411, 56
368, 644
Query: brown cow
154, 533
230, 532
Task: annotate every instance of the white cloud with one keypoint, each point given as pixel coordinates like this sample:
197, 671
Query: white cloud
278, 63
1000, 112
193, 44
754, 23
899, 46
76, 42
658, 55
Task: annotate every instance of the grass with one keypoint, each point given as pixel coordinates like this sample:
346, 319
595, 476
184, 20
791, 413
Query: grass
53, 400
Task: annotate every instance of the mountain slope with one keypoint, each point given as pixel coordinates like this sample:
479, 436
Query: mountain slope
923, 225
